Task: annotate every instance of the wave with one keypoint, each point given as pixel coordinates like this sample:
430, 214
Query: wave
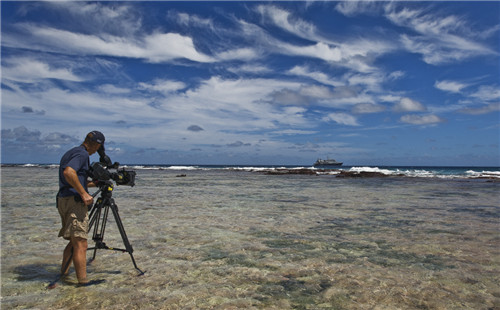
490, 174
417, 172
31, 165
429, 172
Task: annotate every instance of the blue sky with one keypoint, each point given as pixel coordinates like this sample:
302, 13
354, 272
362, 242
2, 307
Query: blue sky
366, 83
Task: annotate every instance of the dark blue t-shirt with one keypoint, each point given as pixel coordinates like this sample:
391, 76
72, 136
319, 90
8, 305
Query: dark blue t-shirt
78, 159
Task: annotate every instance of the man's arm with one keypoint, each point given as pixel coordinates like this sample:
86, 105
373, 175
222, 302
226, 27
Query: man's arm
72, 178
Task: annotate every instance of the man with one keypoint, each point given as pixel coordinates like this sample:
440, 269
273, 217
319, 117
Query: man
73, 201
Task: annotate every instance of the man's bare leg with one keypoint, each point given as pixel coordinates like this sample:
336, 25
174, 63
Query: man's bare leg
66, 256
80, 258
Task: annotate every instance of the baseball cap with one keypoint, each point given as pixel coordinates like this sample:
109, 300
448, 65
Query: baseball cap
97, 136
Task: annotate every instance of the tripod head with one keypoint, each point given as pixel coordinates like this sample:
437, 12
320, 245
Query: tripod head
104, 187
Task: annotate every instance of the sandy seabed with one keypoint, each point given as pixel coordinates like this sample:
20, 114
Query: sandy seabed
242, 240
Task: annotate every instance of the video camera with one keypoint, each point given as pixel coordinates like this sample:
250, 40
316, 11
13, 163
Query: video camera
100, 171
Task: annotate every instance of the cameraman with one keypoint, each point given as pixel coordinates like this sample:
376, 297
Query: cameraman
73, 201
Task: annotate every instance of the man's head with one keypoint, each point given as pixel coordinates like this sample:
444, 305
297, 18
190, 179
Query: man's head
93, 141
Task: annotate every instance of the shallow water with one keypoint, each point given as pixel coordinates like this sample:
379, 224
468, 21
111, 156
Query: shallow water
222, 239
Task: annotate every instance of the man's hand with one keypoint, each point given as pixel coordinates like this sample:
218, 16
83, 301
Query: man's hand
87, 199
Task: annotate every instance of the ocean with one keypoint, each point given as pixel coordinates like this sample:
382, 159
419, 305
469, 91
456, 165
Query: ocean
407, 171
235, 237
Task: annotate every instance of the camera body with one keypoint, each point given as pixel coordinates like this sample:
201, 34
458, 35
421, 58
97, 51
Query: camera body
100, 171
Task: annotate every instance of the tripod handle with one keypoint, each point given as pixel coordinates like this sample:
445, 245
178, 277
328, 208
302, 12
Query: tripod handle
96, 193
89, 207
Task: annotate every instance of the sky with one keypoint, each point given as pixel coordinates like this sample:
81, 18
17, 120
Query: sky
253, 83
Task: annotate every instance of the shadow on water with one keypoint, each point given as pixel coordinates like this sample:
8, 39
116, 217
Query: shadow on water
37, 272
44, 272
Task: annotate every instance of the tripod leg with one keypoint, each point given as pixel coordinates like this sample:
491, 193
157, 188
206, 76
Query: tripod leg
67, 258
100, 224
66, 265
126, 242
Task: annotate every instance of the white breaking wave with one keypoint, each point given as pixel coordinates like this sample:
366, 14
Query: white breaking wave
423, 173
488, 174
373, 169
417, 172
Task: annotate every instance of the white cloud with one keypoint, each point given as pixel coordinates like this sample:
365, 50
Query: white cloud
396, 75
251, 68
342, 119
487, 93
435, 53
408, 105
315, 75
238, 54
286, 21
441, 39
92, 108
363, 108
346, 101
119, 19
355, 55
239, 104
191, 20
289, 97
160, 47
156, 47
293, 132
348, 54
319, 50
362, 47
370, 81
29, 70
112, 89
390, 98
450, 86
316, 91
163, 86
347, 89
421, 119
352, 8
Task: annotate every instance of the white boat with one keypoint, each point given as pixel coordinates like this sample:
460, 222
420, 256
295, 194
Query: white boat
326, 162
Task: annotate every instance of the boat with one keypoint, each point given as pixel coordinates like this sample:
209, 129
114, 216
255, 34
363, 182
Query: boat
326, 163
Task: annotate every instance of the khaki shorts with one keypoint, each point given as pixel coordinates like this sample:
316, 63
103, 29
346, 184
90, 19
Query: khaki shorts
74, 218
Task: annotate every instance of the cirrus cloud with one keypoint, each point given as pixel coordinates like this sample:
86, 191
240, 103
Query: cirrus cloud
151, 47
408, 105
342, 119
421, 119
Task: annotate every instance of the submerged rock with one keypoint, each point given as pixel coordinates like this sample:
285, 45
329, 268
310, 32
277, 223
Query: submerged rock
290, 171
339, 173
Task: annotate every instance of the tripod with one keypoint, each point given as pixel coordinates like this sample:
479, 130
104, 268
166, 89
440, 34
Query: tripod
99, 215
